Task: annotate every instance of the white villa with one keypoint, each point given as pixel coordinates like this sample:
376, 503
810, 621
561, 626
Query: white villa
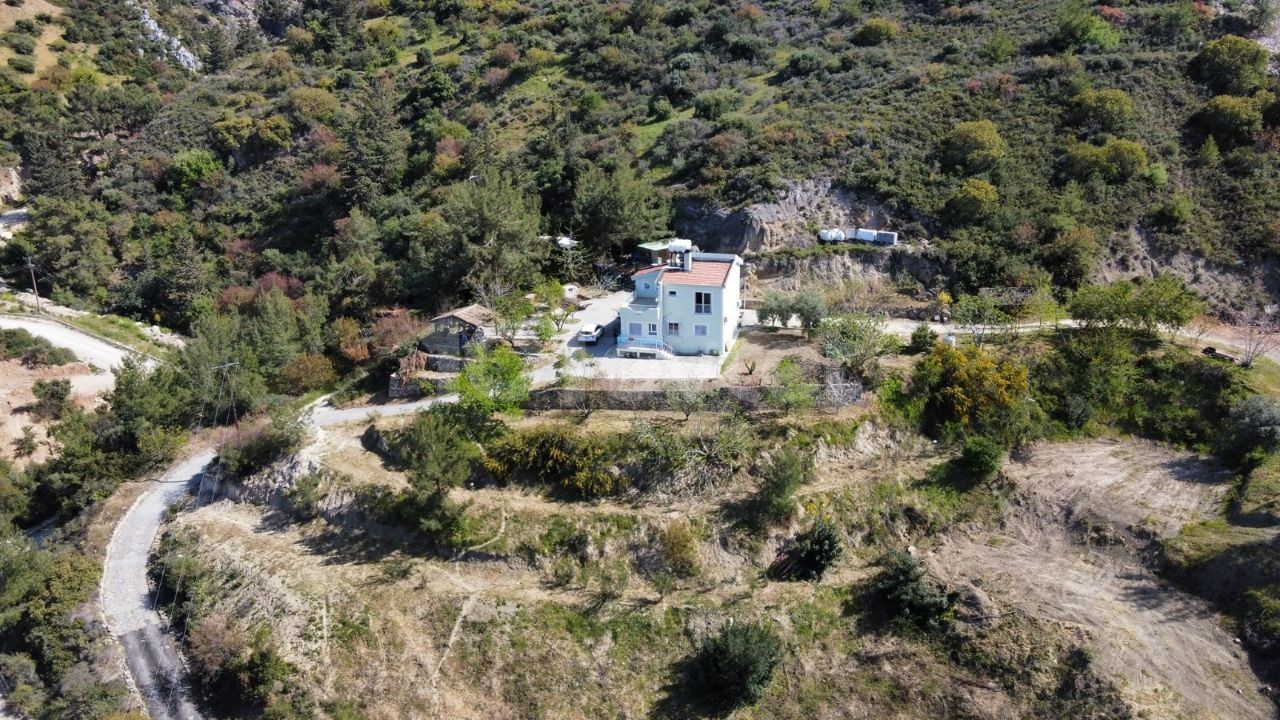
687, 306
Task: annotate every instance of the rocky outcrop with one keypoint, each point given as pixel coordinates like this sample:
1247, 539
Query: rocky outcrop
232, 9
179, 52
792, 220
788, 272
1229, 289
10, 185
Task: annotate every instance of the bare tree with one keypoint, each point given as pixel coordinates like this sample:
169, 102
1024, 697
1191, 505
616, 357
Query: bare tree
1196, 329
1258, 336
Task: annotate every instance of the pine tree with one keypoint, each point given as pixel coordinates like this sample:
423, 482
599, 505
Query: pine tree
376, 156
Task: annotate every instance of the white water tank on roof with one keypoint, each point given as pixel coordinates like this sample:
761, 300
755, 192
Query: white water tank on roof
824, 235
837, 235
680, 245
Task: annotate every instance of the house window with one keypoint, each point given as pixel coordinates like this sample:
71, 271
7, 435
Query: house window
671, 293
633, 329
653, 328
673, 329
699, 330
702, 303
648, 286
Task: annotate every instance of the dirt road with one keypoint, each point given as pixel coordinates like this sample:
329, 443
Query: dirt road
1069, 552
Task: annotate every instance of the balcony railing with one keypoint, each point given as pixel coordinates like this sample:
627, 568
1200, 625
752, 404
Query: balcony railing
643, 343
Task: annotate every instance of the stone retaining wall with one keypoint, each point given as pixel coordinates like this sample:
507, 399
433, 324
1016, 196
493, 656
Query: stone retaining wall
828, 397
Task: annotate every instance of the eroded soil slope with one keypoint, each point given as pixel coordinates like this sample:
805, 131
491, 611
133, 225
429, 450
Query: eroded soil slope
1070, 551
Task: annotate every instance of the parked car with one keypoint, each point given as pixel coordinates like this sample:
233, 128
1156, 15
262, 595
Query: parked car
590, 334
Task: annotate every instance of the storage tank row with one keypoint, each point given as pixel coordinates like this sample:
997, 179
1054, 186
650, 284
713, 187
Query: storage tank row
863, 235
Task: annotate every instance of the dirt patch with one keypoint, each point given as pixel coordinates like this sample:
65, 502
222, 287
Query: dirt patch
764, 349
1069, 552
16, 381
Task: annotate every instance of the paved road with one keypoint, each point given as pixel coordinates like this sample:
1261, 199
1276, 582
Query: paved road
128, 602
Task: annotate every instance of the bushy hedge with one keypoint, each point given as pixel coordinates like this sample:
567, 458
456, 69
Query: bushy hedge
32, 350
558, 456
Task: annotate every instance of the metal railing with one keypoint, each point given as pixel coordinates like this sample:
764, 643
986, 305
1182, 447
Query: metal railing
642, 343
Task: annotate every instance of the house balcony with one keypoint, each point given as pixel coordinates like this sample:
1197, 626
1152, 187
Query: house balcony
643, 347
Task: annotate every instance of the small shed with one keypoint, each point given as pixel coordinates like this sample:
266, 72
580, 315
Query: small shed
452, 331
654, 252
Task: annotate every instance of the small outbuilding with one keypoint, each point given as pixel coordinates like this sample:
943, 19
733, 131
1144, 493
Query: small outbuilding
453, 331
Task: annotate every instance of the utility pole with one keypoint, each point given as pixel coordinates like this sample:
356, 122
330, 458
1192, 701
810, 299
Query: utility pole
35, 289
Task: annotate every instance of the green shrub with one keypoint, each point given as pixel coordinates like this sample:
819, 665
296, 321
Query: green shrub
975, 201
1232, 64
1082, 30
788, 469
305, 495
980, 458
1231, 121
22, 64
191, 167
254, 450
1110, 109
32, 350
922, 339
21, 44
1114, 161
713, 104
679, 549
1176, 212
660, 108
557, 456
814, 552
805, 62
876, 31
911, 602
999, 47
53, 398
973, 146
734, 667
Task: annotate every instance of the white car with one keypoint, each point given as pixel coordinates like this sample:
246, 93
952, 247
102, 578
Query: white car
590, 334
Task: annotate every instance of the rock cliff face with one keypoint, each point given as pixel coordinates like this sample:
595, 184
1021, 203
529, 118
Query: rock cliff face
10, 185
232, 9
793, 220
1231, 290
791, 273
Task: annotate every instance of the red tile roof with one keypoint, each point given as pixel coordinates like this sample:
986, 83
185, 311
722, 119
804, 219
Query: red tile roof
704, 273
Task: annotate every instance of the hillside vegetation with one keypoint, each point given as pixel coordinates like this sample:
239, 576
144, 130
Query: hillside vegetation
332, 171
361, 150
